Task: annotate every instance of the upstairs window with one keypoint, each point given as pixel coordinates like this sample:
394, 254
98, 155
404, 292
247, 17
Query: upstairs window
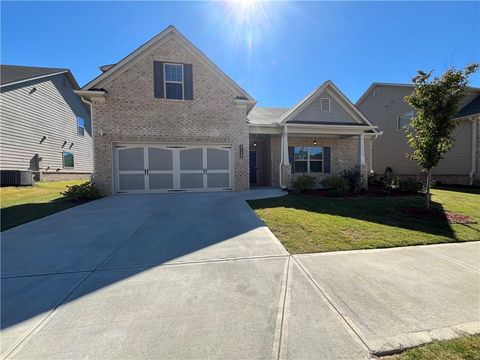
174, 81
308, 159
325, 105
403, 120
67, 159
80, 126
376, 92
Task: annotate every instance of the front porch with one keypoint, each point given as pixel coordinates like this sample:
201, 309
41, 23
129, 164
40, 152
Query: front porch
277, 159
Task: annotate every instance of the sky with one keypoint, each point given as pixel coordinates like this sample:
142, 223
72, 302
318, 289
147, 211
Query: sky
277, 51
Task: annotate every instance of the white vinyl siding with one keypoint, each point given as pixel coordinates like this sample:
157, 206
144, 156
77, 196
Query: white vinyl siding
49, 113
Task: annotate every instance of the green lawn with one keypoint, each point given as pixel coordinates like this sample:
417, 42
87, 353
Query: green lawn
23, 204
464, 348
306, 224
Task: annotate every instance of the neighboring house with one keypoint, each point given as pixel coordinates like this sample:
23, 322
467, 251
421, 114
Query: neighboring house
165, 119
385, 106
45, 127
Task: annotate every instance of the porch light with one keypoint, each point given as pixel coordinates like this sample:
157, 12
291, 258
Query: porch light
254, 144
314, 141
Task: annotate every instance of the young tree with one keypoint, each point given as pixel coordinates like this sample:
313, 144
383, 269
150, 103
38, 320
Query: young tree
436, 103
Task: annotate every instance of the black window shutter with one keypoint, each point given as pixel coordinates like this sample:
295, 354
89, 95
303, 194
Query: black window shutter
290, 158
158, 79
326, 166
188, 81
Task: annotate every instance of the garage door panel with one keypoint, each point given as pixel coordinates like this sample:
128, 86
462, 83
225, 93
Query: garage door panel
191, 159
161, 181
191, 181
131, 182
160, 159
220, 180
131, 159
218, 159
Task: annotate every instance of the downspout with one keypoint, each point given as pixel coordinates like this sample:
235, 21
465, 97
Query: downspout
474, 152
89, 103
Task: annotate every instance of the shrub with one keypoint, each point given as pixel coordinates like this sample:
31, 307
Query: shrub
373, 180
354, 178
303, 183
336, 184
82, 192
388, 176
408, 185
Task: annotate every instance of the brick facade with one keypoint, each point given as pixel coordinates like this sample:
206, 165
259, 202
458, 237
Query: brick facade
131, 113
60, 176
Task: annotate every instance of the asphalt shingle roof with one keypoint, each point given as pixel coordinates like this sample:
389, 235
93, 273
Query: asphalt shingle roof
471, 109
13, 73
260, 115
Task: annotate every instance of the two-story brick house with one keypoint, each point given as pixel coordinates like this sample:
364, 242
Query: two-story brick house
166, 118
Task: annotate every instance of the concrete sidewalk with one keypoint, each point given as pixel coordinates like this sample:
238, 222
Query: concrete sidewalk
402, 297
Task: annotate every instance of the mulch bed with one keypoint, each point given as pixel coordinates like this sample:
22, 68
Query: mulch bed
437, 214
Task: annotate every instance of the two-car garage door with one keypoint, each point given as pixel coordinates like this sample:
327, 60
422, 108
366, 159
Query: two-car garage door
163, 168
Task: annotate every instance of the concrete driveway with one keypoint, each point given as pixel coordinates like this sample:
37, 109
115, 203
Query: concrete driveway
159, 276
200, 276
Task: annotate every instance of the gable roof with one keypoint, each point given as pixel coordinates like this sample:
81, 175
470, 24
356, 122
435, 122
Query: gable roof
335, 92
265, 116
15, 74
168, 33
472, 108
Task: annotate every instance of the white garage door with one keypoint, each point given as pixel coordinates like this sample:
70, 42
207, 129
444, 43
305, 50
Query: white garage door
157, 168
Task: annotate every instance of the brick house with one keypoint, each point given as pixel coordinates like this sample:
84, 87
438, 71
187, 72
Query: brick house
166, 118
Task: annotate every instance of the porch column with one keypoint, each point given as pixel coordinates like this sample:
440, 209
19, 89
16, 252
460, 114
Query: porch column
285, 167
361, 149
361, 160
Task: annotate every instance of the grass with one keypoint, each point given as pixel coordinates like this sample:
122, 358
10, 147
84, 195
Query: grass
464, 348
24, 204
307, 224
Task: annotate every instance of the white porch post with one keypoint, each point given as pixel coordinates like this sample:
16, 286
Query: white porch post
361, 149
286, 160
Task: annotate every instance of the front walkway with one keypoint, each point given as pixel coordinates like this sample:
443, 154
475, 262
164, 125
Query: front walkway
199, 276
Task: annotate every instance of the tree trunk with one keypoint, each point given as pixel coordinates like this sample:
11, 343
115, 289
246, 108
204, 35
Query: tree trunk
429, 184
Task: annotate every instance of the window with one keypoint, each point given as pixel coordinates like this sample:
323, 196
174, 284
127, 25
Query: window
403, 120
307, 159
80, 126
376, 92
173, 81
67, 159
325, 105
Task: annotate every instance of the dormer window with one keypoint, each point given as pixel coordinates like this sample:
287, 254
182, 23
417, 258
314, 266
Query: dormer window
325, 105
174, 81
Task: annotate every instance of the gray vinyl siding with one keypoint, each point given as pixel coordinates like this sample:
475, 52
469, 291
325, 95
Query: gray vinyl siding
51, 110
313, 113
391, 148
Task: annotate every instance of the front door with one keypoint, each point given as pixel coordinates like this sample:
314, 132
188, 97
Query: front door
253, 167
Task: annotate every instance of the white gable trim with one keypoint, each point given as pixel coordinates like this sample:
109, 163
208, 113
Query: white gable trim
150, 46
329, 87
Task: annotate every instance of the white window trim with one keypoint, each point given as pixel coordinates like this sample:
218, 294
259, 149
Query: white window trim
398, 120
63, 160
173, 82
78, 126
321, 105
308, 160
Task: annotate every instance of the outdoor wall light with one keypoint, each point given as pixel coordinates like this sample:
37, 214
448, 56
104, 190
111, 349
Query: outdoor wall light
254, 144
314, 141
241, 151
